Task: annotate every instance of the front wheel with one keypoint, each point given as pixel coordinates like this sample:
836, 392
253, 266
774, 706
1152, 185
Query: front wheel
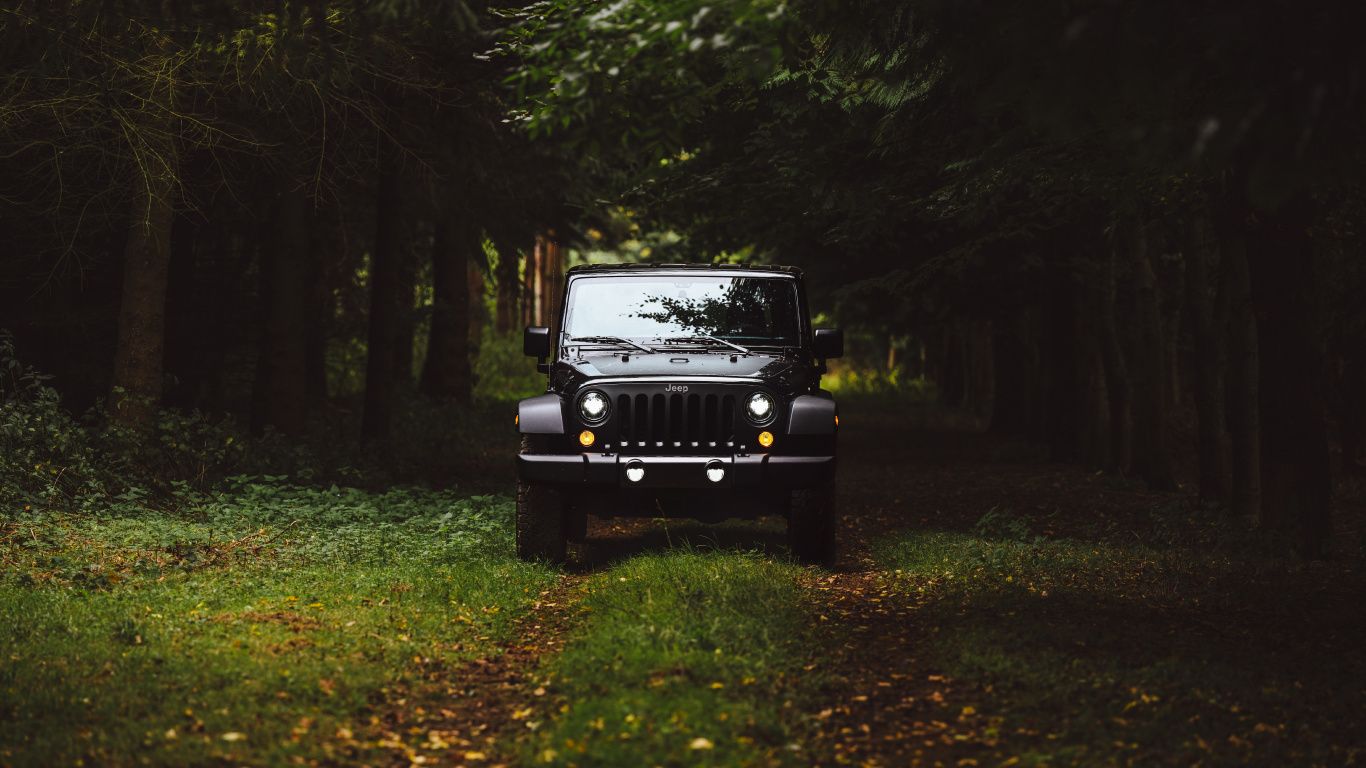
540, 526
811, 525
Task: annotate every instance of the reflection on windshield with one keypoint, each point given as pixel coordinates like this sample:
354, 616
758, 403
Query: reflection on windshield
759, 310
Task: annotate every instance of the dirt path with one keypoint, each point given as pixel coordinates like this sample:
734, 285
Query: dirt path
482, 702
885, 703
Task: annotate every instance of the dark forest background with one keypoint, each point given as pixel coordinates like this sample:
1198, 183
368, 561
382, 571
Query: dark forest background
1126, 232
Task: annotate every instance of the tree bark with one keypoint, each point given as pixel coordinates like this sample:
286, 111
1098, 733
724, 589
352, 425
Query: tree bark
1296, 470
1119, 391
135, 389
552, 265
405, 297
1092, 421
1244, 423
505, 314
1060, 370
529, 273
1207, 307
474, 279
1009, 414
377, 422
447, 370
284, 336
324, 225
1352, 427
1151, 457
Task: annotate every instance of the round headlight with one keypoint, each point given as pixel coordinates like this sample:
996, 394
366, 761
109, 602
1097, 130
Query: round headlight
593, 407
759, 407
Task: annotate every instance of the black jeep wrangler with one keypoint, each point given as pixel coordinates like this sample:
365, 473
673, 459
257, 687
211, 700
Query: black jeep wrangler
679, 390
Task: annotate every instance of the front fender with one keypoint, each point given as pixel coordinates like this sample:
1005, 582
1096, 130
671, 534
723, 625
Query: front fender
811, 415
541, 415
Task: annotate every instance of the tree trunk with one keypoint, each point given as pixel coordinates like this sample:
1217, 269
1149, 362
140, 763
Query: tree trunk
1242, 397
406, 302
1119, 390
324, 225
529, 273
376, 425
284, 336
1060, 370
135, 389
1173, 296
1009, 414
474, 278
505, 314
1092, 415
1352, 427
1207, 307
1151, 458
552, 281
1296, 470
447, 371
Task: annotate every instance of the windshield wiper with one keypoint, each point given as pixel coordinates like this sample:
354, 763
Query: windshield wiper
617, 340
713, 339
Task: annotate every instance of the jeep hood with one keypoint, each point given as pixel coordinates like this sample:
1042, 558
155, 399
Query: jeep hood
682, 364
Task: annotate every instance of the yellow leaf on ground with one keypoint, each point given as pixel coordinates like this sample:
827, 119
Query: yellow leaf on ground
232, 736
701, 743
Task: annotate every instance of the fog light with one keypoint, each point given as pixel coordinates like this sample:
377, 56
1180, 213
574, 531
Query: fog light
716, 472
765, 439
586, 438
635, 472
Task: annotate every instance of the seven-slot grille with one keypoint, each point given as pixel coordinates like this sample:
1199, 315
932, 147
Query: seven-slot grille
678, 421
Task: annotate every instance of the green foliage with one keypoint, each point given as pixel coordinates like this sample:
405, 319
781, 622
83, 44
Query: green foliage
37, 437
503, 374
686, 659
601, 75
847, 380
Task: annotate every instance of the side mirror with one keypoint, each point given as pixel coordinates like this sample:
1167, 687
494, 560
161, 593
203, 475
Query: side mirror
828, 344
536, 341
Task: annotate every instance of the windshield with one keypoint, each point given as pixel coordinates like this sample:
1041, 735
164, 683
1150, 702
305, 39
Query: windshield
755, 310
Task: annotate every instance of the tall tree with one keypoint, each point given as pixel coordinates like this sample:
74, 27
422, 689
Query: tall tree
446, 373
282, 367
136, 385
385, 268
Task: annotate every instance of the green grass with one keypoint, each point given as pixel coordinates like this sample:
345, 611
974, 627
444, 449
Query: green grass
685, 658
1108, 653
241, 638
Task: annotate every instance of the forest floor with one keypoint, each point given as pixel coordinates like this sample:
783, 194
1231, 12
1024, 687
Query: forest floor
987, 608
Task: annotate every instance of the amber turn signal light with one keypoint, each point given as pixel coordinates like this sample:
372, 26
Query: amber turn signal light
586, 438
765, 439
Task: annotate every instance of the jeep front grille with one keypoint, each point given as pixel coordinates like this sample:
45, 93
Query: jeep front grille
676, 422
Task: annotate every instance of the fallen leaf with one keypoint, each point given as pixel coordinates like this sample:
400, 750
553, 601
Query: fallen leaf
701, 743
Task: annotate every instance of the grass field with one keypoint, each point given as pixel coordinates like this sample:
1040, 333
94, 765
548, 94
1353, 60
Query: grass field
162, 642
683, 658
1108, 652
273, 623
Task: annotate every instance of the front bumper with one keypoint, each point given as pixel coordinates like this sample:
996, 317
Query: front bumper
602, 471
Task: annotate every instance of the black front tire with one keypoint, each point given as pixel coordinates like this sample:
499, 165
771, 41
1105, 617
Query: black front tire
541, 531
811, 526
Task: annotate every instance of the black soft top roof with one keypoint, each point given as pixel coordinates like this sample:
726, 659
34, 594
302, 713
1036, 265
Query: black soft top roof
796, 271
